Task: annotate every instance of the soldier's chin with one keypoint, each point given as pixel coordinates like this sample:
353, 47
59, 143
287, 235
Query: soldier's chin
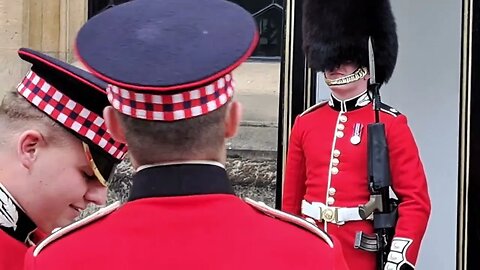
341, 87
349, 79
339, 82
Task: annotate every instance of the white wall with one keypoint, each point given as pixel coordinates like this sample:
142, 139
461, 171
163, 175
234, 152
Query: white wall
426, 87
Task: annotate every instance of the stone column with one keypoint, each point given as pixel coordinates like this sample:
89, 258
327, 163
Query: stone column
49, 26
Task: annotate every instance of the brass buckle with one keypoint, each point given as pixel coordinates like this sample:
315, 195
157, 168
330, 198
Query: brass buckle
330, 214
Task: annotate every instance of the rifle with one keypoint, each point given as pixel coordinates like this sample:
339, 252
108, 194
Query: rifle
383, 208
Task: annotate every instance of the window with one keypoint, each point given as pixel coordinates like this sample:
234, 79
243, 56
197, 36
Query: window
97, 6
269, 17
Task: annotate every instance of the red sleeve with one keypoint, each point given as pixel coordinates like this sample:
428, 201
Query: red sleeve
11, 252
29, 259
295, 172
410, 185
340, 262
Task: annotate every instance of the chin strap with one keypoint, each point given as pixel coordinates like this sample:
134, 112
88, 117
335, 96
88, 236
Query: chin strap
359, 74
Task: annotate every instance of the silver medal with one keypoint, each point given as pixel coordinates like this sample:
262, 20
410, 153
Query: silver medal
355, 139
357, 133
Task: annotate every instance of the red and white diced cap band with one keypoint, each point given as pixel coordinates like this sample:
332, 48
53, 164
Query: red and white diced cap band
69, 113
172, 107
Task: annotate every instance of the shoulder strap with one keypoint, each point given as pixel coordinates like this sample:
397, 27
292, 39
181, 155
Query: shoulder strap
390, 110
314, 107
286, 217
74, 226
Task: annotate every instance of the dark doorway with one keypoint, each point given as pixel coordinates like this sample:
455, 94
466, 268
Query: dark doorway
97, 6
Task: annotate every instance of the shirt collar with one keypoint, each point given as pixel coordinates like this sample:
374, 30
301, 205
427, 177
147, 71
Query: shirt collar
180, 179
350, 104
205, 162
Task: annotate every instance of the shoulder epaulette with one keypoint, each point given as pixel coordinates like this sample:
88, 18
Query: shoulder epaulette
74, 226
300, 222
314, 107
390, 110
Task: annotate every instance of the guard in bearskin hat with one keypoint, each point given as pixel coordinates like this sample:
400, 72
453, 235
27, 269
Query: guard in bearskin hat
327, 174
171, 89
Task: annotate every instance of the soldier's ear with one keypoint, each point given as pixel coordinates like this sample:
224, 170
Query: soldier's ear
114, 125
28, 146
233, 117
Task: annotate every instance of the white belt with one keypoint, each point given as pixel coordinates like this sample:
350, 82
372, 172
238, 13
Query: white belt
337, 215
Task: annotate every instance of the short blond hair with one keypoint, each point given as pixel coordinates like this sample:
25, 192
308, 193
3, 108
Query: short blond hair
18, 115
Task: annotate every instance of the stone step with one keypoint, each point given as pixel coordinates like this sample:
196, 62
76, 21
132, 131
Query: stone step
255, 136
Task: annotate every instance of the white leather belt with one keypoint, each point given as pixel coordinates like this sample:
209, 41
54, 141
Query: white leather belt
337, 215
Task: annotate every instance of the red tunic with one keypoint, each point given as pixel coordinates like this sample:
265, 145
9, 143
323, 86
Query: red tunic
12, 252
16, 232
186, 217
324, 165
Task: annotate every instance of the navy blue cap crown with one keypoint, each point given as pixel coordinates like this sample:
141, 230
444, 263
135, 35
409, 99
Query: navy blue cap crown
181, 51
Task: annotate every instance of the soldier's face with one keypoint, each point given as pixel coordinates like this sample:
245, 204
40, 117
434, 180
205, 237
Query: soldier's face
341, 71
350, 89
64, 184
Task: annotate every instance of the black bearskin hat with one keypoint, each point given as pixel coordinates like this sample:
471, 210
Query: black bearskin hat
337, 31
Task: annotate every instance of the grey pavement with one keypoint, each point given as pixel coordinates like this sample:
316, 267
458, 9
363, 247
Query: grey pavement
257, 90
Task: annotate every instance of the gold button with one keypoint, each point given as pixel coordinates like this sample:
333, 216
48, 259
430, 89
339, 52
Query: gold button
330, 200
335, 161
336, 153
339, 134
334, 170
327, 215
343, 118
340, 126
332, 191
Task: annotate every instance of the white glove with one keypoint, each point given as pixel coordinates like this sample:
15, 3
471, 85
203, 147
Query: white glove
397, 258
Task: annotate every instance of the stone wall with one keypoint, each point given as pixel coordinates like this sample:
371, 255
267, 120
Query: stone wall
49, 26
